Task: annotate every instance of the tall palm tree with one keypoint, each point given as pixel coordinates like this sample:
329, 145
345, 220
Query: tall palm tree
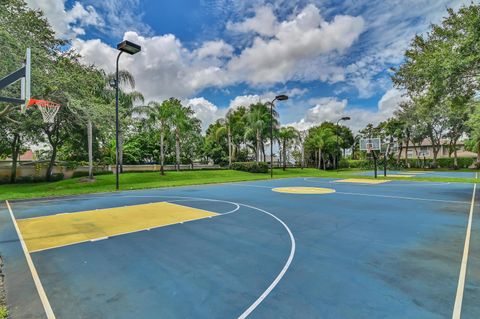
321, 139
258, 122
183, 121
160, 116
286, 135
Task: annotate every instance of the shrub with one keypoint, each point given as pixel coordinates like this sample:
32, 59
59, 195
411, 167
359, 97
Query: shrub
343, 163
251, 167
362, 164
84, 173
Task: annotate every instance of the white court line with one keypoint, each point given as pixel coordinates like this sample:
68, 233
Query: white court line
405, 197
36, 279
279, 277
403, 183
378, 195
135, 231
457, 308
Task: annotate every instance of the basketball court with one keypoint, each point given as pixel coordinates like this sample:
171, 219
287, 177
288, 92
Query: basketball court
290, 248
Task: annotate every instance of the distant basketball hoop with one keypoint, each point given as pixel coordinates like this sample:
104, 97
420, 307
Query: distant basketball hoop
48, 109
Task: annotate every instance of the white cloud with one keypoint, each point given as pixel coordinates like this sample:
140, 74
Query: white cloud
214, 49
67, 23
205, 111
264, 22
246, 100
165, 67
331, 109
304, 37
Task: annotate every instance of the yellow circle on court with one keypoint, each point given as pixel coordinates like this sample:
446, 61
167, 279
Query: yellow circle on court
303, 190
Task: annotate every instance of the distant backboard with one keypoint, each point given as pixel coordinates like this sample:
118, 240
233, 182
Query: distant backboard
370, 144
24, 75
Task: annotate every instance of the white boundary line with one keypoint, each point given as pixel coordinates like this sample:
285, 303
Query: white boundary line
420, 183
405, 197
279, 277
38, 284
134, 231
457, 308
377, 195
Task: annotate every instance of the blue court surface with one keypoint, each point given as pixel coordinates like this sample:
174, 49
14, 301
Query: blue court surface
421, 173
391, 250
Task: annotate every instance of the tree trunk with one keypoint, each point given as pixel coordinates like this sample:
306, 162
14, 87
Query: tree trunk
303, 155
15, 153
229, 136
407, 142
284, 154
263, 152
177, 148
323, 161
51, 163
258, 146
478, 153
400, 146
90, 149
162, 153
319, 159
455, 159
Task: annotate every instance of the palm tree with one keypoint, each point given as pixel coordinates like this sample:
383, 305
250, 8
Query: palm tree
321, 139
226, 128
126, 103
160, 116
183, 122
286, 135
258, 122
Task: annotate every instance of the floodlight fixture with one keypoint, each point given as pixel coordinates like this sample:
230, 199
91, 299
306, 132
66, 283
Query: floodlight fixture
129, 47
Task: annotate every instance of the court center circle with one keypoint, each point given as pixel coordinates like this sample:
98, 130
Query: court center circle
304, 190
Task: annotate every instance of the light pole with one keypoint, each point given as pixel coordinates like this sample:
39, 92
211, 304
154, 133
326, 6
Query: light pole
345, 118
277, 98
130, 48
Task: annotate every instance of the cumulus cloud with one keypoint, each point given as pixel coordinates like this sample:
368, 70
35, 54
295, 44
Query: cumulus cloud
331, 109
205, 111
264, 22
304, 37
68, 23
246, 100
165, 67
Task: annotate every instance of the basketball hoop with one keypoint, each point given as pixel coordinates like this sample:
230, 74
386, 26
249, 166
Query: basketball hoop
369, 148
47, 108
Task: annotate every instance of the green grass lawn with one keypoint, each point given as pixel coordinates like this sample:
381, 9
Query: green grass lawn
106, 183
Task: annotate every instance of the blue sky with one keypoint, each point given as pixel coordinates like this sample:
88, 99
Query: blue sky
331, 57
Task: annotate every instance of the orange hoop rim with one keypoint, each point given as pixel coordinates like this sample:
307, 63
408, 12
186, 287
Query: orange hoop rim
42, 103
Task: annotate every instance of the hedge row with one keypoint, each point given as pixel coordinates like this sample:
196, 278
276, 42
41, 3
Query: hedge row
251, 167
463, 162
84, 173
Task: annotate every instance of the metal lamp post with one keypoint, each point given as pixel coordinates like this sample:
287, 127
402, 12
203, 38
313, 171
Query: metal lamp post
345, 118
130, 48
277, 98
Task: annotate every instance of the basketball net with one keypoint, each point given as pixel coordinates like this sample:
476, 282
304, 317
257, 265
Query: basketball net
369, 149
48, 109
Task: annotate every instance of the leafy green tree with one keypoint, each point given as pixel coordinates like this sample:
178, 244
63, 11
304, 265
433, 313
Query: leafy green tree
160, 116
258, 121
286, 135
321, 140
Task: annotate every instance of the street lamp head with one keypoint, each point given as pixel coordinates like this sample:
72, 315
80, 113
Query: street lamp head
129, 47
345, 118
281, 97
